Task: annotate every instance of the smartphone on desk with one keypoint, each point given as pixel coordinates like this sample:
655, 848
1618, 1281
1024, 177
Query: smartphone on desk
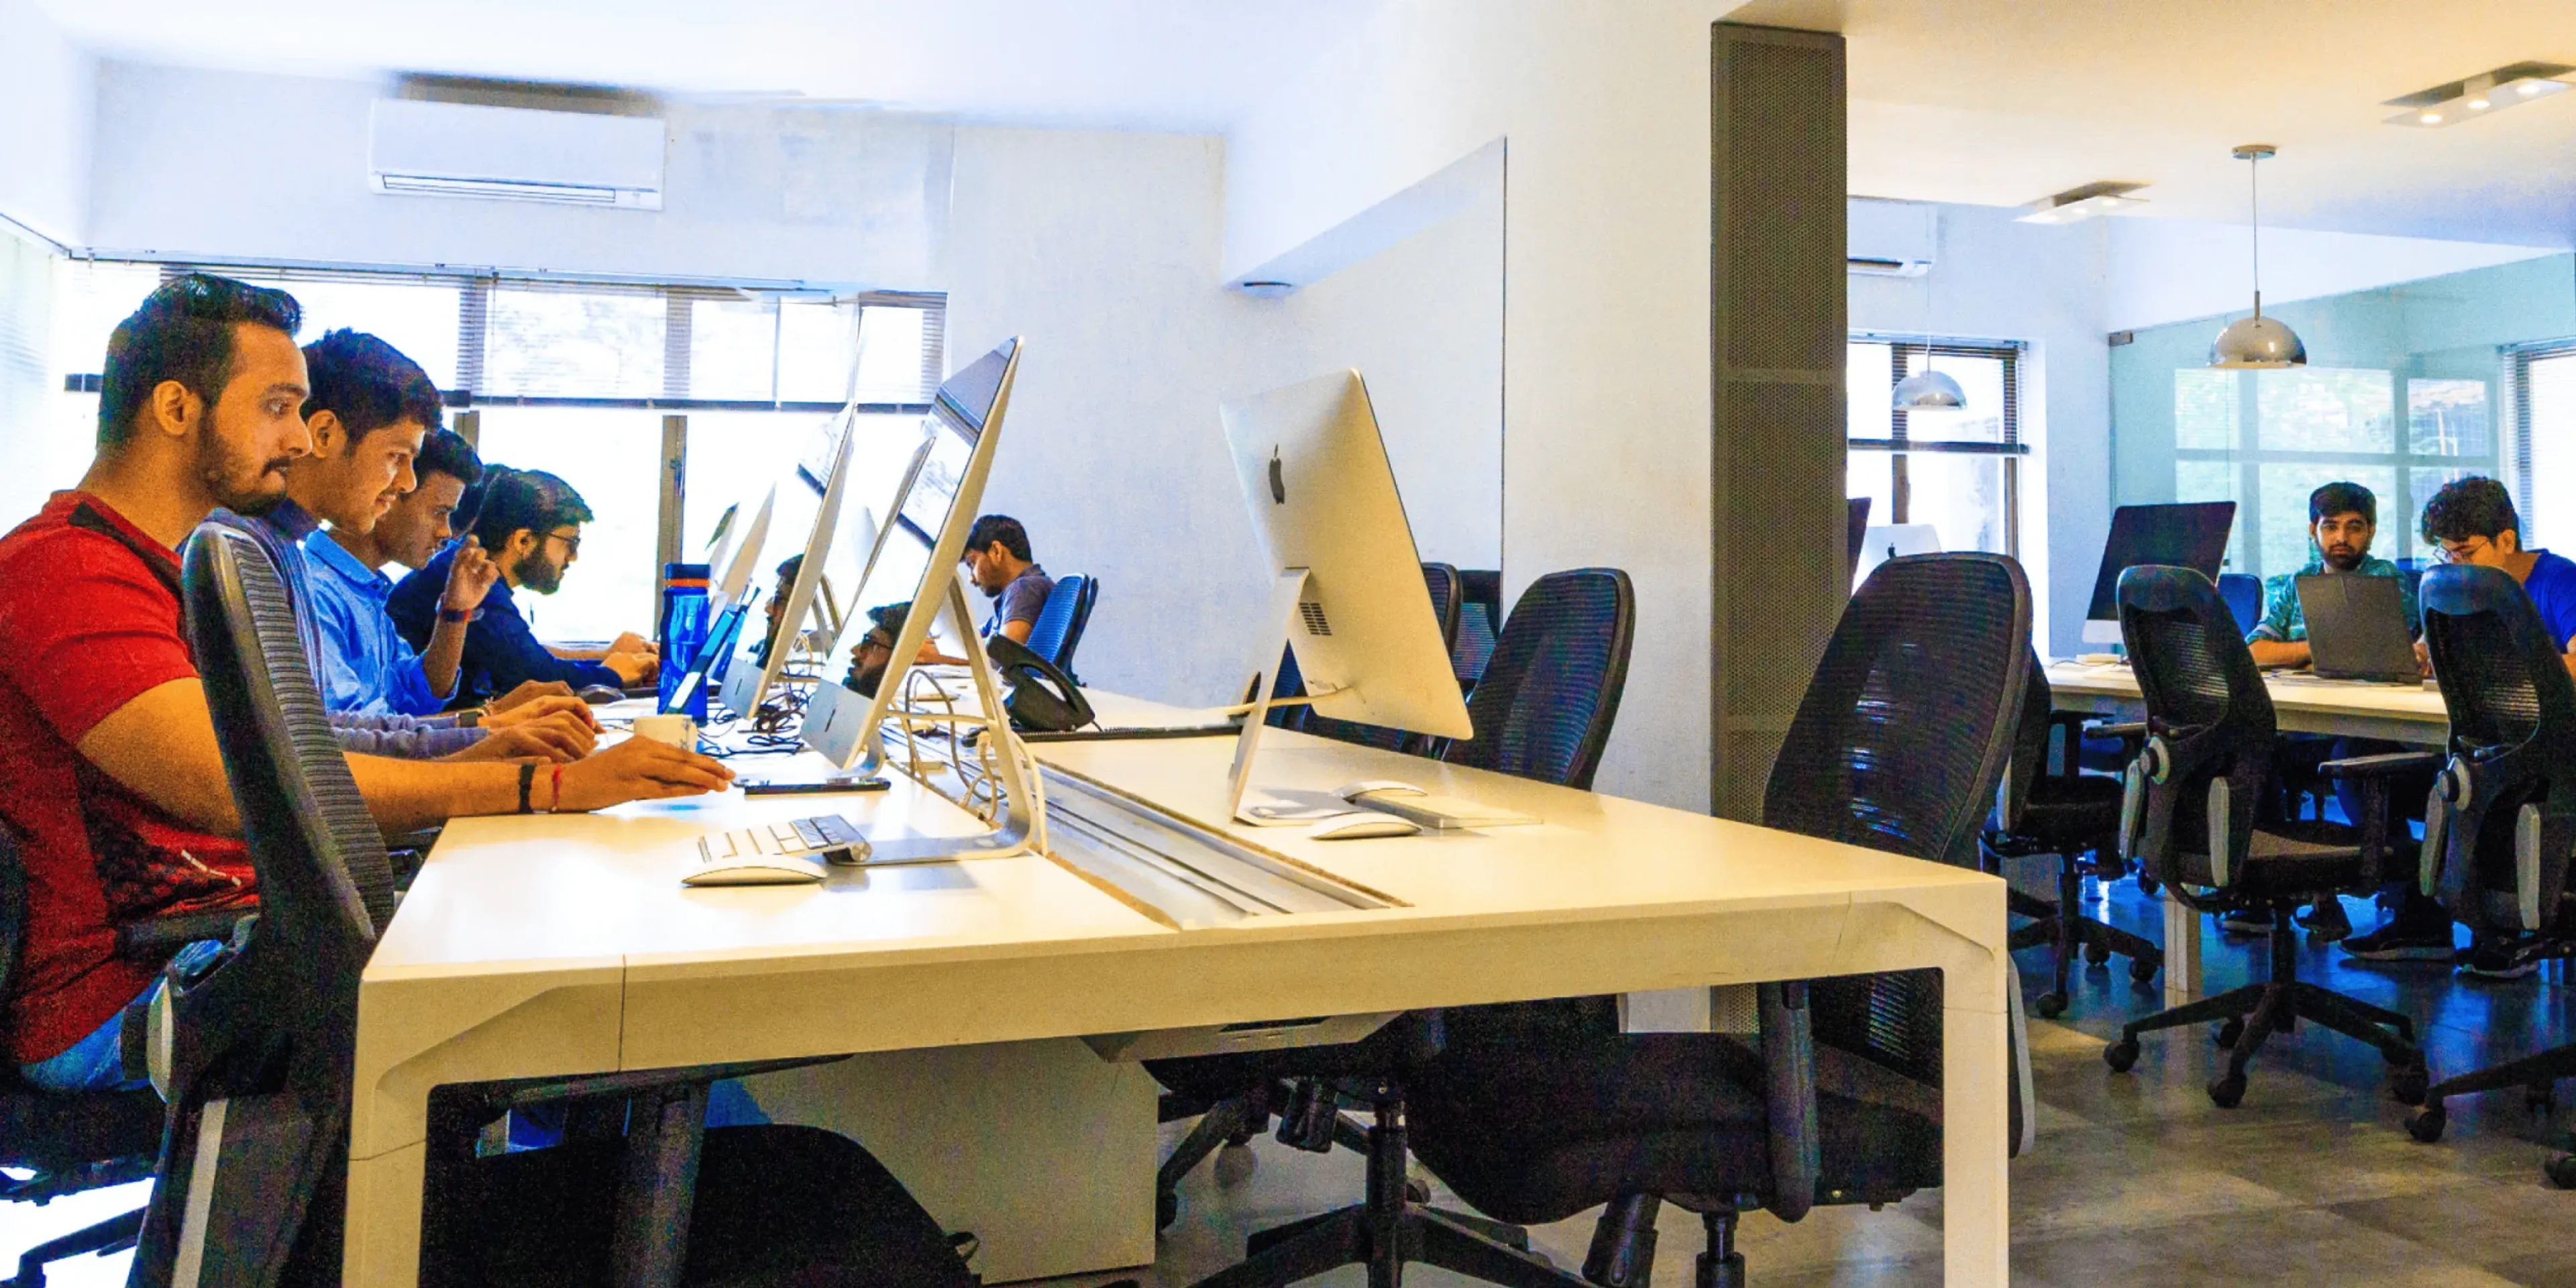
817, 787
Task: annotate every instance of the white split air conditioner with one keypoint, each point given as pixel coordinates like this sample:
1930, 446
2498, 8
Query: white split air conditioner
1889, 238
426, 149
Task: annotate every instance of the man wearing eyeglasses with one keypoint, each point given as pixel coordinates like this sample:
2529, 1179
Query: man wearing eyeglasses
530, 522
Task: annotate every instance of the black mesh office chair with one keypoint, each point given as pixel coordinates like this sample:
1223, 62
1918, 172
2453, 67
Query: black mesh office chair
2502, 820
1480, 618
1058, 630
1544, 711
1442, 581
65, 1144
1544, 706
2195, 812
2076, 817
261, 1046
1898, 745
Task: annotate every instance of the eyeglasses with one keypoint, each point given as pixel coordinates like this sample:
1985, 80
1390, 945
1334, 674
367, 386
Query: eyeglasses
572, 544
2444, 552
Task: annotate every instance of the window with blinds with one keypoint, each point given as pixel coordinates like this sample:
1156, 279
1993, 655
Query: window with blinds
2544, 441
1958, 471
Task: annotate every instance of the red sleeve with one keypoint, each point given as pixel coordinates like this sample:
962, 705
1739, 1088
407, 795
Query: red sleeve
85, 628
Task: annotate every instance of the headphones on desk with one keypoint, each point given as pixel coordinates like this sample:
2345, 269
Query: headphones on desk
1039, 697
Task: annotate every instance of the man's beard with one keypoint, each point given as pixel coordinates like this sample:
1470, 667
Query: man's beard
537, 573
2343, 559
237, 480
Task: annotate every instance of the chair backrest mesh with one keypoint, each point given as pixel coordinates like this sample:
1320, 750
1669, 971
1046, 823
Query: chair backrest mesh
1898, 745
1551, 691
1480, 615
1049, 635
1903, 733
2502, 677
13, 926
2030, 744
2192, 665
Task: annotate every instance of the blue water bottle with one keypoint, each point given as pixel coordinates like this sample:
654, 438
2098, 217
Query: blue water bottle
682, 629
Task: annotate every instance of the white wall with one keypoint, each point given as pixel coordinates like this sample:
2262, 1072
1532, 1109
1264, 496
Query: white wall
2169, 270
47, 90
227, 164
1995, 279
1606, 446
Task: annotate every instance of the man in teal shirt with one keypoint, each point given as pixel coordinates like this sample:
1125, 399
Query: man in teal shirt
2342, 519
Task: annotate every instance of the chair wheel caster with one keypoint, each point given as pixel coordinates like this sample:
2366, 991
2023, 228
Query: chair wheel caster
2228, 1033
2408, 1083
1417, 1190
2097, 954
2143, 969
1234, 1165
2427, 1122
2227, 1090
1167, 1209
2121, 1055
2561, 1172
2049, 1005
2147, 885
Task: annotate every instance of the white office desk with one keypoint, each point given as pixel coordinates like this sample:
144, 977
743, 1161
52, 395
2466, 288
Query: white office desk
2301, 704
564, 944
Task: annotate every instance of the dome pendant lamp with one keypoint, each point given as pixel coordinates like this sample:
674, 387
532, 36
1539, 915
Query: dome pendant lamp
2257, 343
1927, 390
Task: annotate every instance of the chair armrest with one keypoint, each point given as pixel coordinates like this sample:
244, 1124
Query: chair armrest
1789, 1097
2385, 766
2125, 730
155, 939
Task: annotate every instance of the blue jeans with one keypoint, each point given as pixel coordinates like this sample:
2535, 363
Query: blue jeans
97, 1062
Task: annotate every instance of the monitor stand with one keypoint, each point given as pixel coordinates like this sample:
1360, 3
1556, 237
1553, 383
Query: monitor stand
1274, 811
1022, 829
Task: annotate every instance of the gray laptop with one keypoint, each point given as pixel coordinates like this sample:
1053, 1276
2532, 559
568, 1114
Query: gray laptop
2357, 628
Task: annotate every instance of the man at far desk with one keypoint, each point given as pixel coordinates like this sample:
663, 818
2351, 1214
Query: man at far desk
530, 522
2342, 519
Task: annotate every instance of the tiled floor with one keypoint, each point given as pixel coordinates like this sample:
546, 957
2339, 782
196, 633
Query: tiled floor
2137, 1178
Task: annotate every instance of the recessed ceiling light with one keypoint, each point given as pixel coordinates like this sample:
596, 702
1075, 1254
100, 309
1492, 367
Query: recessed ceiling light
2480, 94
2107, 197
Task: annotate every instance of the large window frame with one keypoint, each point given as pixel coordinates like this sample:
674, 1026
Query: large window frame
2519, 360
1908, 354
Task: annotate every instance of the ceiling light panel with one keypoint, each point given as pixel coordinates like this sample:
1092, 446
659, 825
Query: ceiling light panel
2075, 205
2484, 94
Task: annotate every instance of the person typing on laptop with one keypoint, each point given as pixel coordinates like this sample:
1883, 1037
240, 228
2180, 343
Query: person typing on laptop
110, 778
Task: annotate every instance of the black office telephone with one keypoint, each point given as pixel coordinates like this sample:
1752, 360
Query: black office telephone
1039, 698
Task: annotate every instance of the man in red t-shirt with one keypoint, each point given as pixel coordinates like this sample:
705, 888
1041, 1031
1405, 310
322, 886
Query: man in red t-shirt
110, 781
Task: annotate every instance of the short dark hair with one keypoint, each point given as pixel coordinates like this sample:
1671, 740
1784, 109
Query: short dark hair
2342, 498
446, 452
469, 502
2471, 507
183, 331
1003, 528
531, 499
368, 383
790, 566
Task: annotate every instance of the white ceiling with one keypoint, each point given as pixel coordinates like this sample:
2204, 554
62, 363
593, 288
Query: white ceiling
1187, 65
2001, 102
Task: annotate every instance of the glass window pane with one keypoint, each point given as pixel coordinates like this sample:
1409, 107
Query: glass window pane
2285, 544
2553, 453
418, 320
2214, 481
2400, 531
2448, 418
1867, 474
1959, 494
817, 342
732, 349
1981, 420
570, 344
613, 458
2206, 410
890, 354
1866, 381
2325, 409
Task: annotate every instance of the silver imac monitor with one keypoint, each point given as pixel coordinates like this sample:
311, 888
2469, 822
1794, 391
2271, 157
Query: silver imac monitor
734, 574
1883, 542
748, 681
1347, 592
943, 487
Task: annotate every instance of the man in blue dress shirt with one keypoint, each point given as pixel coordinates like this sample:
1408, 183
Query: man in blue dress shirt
373, 668
530, 522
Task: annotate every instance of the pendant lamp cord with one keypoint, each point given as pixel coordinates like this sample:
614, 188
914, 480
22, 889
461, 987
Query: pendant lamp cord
2254, 190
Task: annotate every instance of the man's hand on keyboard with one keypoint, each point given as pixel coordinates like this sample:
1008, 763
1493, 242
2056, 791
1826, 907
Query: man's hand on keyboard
640, 769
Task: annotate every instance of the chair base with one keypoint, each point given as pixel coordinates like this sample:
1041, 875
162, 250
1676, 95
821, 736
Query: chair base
2252, 1014
2537, 1075
1387, 1231
2069, 933
1232, 1123
114, 1234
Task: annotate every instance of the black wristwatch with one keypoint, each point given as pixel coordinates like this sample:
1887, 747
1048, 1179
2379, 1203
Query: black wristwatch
454, 615
527, 779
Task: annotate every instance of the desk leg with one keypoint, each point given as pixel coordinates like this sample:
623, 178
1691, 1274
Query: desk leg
2182, 952
1976, 1233
381, 1246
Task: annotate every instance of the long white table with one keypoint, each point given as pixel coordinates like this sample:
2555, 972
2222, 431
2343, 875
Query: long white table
544, 946
2403, 713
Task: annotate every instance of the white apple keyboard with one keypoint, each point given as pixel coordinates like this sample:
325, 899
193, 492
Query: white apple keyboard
781, 853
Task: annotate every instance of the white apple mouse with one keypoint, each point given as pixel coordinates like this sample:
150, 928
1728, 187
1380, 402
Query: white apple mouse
1359, 825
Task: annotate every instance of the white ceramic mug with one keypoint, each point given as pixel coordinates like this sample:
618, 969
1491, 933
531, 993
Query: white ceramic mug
677, 730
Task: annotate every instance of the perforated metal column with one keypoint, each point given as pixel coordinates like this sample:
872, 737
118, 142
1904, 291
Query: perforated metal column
1776, 180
